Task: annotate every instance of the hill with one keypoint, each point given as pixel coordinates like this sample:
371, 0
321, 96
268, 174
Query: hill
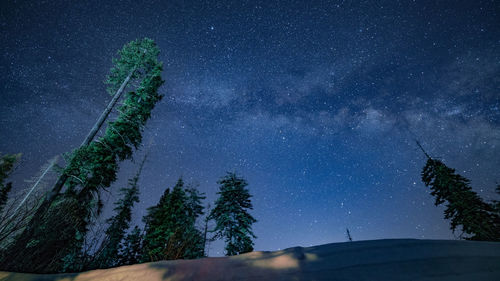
394, 259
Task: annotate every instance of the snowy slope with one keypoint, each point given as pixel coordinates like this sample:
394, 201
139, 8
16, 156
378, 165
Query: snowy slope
395, 259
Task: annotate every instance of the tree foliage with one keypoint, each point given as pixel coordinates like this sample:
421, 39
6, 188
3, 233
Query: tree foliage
170, 231
131, 250
108, 254
7, 162
233, 222
93, 167
465, 209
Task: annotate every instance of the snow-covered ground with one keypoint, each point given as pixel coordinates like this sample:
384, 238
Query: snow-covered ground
394, 259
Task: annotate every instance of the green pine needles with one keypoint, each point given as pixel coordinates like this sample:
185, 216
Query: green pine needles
7, 162
93, 167
465, 209
170, 231
131, 251
233, 222
108, 254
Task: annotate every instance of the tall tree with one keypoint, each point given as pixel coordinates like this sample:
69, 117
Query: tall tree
233, 222
136, 59
496, 203
108, 253
464, 207
91, 168
170, 231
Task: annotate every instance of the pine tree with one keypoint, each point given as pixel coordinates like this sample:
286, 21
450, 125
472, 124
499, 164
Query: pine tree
92, 167
495, 205
233, 222
108, 254
170, 226
7, 162
131, 250
464, 207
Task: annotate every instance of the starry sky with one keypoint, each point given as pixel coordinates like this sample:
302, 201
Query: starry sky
316, 103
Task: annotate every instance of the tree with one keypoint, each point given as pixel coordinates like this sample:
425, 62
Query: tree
37, 181
206, 241
131, 250
233, 222
464, 207
20, 208
93, 167
108, 254
170, 231
137, 58
7, 162
348, 233
496, 203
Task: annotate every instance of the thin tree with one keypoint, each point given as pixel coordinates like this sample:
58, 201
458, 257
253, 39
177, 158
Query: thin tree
348, 233
37, 182
205, 232
131, 250
108, 253
233, 222
22, 206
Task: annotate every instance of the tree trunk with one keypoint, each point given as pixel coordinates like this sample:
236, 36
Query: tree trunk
62, 179
26, 235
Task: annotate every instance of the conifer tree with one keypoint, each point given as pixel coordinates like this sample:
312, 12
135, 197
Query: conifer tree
464, 207
131, 250
7, 162
108, 253
233, 222
170, 231
496, 203
91, 168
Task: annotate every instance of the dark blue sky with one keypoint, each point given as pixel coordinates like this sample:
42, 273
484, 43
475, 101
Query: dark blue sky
316, 103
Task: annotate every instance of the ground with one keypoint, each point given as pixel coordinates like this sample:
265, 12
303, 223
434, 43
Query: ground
394, 259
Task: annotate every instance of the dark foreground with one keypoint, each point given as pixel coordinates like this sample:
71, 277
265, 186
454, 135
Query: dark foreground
395, 259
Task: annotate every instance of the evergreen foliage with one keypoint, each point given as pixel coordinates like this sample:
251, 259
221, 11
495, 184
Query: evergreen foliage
7, 162
108, 254
170, 226
496, 203
93, 167
58, 239
131, 250
233, 222
477, 219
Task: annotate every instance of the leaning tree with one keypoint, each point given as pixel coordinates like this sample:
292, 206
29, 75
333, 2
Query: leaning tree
477, 219
59, 226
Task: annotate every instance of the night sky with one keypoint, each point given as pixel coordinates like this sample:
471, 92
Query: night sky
316, 103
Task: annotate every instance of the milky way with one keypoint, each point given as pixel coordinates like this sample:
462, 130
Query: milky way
316, 103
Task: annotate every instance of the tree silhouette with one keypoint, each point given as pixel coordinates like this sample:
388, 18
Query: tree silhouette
233, 222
